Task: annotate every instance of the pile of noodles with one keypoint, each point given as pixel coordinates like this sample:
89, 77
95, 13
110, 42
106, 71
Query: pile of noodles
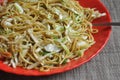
45, 34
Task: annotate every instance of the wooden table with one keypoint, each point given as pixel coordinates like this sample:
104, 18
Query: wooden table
105, 66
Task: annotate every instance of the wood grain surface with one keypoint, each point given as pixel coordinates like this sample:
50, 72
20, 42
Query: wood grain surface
105, 66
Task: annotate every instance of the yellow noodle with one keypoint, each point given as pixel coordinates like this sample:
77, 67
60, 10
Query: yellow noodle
45, 34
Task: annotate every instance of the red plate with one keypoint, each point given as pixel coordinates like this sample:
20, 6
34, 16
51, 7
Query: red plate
101, 39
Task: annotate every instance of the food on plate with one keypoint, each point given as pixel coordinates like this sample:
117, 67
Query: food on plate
45, 34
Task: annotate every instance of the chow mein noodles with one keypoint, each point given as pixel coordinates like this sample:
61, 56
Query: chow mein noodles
45, 34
